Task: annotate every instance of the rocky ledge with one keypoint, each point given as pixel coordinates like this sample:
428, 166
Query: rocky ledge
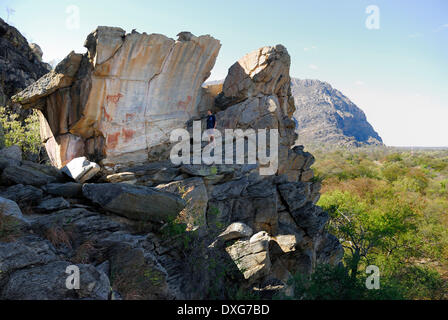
151, 229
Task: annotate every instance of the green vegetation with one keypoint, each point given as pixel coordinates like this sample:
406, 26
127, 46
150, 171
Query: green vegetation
389, 208
25, 134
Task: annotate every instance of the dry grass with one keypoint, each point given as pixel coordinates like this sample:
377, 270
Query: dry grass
58, 236
138, 282
84, 252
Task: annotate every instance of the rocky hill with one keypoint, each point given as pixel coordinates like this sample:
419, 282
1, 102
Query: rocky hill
325, 116
136, 225
20, 62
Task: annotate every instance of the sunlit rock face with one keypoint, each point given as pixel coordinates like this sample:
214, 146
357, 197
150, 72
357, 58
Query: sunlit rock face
120, 101
118, 104
256, 95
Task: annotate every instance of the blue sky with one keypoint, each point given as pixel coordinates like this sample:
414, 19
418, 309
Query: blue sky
398, 74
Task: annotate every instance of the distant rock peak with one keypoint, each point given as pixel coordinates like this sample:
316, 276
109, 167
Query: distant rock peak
326, 116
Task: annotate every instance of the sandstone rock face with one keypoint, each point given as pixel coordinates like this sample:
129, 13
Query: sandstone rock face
256, 95
154, 229
236, 230
135, 202
263, 72
120, 102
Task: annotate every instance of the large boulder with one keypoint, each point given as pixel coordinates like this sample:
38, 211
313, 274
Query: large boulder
26, 175
135, 202
24, 195
52, 204
24, 253
10, 209
11, 156
13, 152
48, 282
256, 95
252, 256
69, 189
236, 230
120, 101
263, 72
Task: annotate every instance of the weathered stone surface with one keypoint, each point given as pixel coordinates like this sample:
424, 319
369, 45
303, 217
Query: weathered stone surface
23, 195
194, 192
13, 152
69, 189
117, 104
48, 282
311, 218
256, 95
231, 189
37, 51
10, 208
81, 170
46, 169
23, 253
297, 162
135, 202
87, 224
330, 250
252, 256
8, 162
294, 194
261, 72
61, 77
105, 94
236, 230
26, 175
122, 177
52, 204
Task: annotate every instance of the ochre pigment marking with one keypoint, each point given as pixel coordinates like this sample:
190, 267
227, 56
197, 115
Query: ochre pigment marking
114, 98
112, 140
184, 104
128, 134
106, 116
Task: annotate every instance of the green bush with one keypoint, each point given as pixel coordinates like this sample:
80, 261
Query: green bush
329, 282
389, 208
25, 134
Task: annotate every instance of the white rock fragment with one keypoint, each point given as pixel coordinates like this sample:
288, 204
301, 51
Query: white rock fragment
81, 170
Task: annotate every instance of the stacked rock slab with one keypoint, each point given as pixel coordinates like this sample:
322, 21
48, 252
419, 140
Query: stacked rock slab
255, 230
119, 102
257, 95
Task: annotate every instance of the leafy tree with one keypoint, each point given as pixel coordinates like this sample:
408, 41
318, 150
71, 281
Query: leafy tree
25, 134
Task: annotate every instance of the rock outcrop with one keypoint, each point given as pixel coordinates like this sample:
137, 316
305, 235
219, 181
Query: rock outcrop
20, 63
325, 116
119, 102
159, 230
